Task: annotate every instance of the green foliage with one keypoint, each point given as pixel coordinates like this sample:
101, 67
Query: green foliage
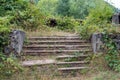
99, 15
86, 31
75, 8
48, 7
97, 20
23, 14
9, 7
70, 8
29, 19
3, 40
63, 7
67, 24
80, 8
112, 54
4, 30
8, 66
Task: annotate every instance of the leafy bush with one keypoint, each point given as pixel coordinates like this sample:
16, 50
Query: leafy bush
8, 66
29, 19
63, 7
4, 31
99, 15
62, 23
10, 7
86, 31
112, 53
80, 8
67, 24
97, 20
48, 7
23, 14
74, 8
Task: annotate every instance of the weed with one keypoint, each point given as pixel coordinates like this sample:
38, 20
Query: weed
112, 56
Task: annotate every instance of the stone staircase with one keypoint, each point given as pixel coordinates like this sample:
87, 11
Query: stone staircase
72, 62
70, 52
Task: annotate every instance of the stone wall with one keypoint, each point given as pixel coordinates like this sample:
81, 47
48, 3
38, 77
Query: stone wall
97, 42
116, 18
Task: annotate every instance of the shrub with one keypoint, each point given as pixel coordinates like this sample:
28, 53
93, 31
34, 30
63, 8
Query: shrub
23, 14
97, 20
8, 66
67, 24
4, 31
10, 7
112, 53
29, 19
48, 7
86, 31
99, 15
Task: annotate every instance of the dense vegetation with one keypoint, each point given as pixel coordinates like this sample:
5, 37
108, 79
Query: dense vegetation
81, 16
29, 14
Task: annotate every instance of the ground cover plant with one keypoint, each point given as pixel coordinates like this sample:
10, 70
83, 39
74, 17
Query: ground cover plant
8, 65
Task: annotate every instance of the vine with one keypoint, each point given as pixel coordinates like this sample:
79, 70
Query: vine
112, 54
8, 64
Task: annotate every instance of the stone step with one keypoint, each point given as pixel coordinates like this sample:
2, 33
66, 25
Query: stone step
46, 52
53, 62
73, 64
61, 42
45, 49
38, 62
55, 38
72, 68
56, 46
71, 56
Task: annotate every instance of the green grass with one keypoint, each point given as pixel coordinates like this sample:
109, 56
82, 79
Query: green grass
32, 74
107, 75
48, 31
99, 71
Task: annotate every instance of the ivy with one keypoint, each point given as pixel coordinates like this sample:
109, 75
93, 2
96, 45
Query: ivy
112, 53
8, 65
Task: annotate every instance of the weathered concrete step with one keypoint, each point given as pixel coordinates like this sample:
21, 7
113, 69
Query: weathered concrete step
71, 56
72, 64
38, 62
57, 49
49, 62
55, 38
57, 46
53, 62
72, 68
45, 52
58, 41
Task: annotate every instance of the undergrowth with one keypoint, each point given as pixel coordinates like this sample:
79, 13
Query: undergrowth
8, 65
112, 53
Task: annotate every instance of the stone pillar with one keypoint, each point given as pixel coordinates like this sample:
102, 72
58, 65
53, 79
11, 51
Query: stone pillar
16, 41
96, 42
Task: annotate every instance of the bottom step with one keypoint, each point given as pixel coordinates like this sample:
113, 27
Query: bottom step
38, 62
72, 68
